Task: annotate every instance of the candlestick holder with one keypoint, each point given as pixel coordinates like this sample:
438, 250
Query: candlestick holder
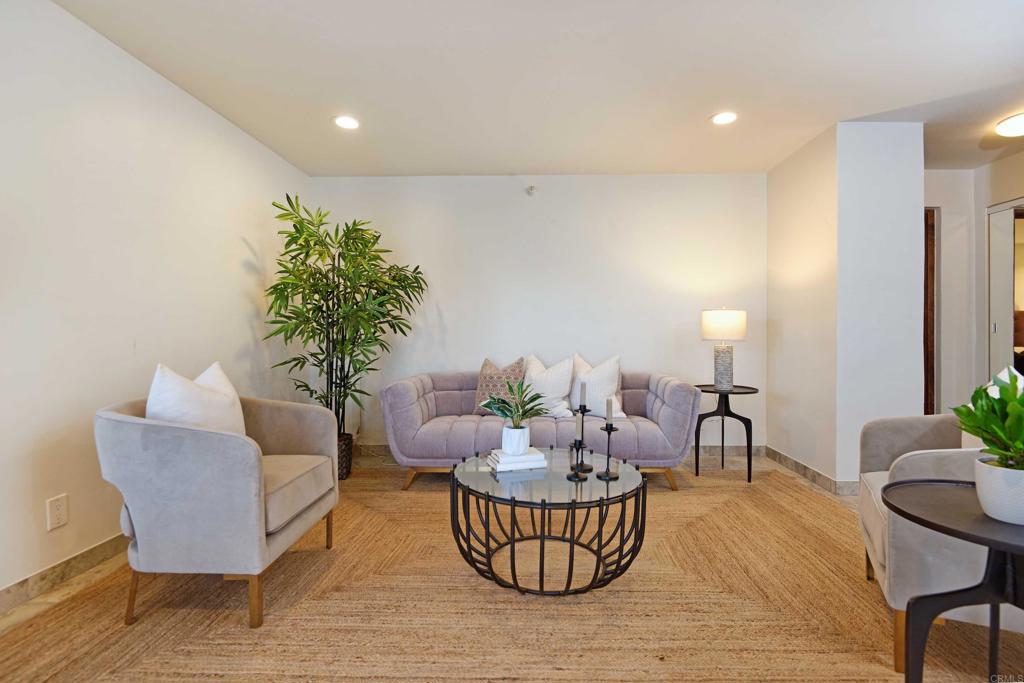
579, 465
576, 474
608, 475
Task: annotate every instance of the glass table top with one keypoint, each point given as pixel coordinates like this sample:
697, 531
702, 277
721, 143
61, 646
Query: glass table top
548, 483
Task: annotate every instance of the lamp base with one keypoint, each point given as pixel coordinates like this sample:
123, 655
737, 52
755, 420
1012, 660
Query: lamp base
723, 367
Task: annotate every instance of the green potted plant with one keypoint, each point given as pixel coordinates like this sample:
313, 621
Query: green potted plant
996, 416
521, 404
339, 297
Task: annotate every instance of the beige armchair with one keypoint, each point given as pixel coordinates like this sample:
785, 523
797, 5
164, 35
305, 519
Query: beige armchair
905, 558
198, 501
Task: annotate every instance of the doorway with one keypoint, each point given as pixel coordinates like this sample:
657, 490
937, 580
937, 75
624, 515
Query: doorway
929, 311
1006, 288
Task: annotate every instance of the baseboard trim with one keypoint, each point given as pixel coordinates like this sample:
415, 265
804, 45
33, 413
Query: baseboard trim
47, 579
840, 488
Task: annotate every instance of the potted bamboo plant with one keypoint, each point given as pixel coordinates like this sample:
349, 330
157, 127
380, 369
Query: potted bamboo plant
996, 416
339, 298
521, 404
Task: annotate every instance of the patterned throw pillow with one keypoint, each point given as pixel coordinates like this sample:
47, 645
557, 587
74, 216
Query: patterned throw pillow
492, 381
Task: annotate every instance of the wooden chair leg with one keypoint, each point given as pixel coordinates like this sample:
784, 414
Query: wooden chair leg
330, 529
899, 640
410, 475
133, 589
255, 601
671, 479
869, 571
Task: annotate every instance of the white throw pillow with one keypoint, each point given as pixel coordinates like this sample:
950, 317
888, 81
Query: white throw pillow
553, 383
602, 383
210, 401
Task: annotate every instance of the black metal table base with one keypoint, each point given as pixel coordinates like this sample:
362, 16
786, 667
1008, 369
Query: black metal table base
723, 410
609, 533
1003, 583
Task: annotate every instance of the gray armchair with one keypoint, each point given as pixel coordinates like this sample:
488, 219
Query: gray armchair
905, 558
198, 501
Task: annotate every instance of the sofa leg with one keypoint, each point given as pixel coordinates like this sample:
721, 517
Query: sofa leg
133, 589
410, 476
330, 529
899, 640
670, 476
255, 601
869, 571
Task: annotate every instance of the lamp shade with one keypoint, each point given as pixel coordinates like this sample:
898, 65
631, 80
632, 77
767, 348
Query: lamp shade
723, 324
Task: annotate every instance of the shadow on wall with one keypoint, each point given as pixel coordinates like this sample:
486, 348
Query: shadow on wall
260, 355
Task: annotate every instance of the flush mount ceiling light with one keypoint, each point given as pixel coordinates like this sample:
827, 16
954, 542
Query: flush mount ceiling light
347, 122
724, 118
1011, 127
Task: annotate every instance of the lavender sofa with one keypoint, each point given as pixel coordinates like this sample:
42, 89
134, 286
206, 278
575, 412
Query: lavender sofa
430, 423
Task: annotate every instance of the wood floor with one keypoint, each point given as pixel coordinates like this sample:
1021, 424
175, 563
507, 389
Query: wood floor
735, 582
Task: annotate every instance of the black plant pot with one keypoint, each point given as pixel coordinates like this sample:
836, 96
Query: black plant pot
344, 455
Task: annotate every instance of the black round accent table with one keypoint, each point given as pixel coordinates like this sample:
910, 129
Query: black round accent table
723, 411
537, 532
952, 508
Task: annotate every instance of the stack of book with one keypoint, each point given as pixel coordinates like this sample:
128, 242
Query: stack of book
500, 461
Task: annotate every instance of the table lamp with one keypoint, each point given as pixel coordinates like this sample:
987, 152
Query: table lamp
723, 325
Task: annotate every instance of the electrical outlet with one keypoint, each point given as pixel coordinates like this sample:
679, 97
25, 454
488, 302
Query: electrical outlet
56, 511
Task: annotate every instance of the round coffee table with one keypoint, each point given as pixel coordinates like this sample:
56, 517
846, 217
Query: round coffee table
537, 532
952, 508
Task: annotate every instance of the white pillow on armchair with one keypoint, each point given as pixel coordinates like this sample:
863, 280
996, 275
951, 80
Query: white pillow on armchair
210, 401
602, 383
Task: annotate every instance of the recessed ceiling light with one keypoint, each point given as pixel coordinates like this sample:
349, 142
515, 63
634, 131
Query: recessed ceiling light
1011, 127
724, 118
346, 122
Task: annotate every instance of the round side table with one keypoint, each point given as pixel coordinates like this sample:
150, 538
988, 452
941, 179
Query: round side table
952, 508
723, 410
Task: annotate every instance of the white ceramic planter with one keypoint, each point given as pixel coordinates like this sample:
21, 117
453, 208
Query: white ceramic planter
1000, 491
515, 441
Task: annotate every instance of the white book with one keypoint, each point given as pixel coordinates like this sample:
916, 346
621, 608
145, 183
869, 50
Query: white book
519, 477
510, 467
530, 454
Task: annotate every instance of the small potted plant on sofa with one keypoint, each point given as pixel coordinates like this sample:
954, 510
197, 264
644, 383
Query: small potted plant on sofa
996, 416
520, 405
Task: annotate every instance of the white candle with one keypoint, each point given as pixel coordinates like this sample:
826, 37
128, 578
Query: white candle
608, 409
583, 393
579, 426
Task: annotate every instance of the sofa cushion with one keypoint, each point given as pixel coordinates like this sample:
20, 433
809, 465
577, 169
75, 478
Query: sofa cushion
493, 381
874, 516
454, 437
291, 483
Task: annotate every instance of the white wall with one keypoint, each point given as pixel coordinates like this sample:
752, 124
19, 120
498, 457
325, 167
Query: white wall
136, 227
845, 302
802, 224
952, 193
880, 283
598, 265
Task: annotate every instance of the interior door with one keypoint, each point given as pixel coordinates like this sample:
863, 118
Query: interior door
1000, 289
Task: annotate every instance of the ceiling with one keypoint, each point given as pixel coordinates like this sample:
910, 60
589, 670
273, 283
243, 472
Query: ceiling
959, 131
567, 86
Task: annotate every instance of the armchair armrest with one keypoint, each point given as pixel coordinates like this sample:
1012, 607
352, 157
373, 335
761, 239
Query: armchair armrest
953, 463
920, 561
406, 406
883, 441
288, 428
195, 496
673, 405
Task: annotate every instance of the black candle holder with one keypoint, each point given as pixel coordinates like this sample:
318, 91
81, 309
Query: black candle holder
608, 475
579, 465
577, 446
